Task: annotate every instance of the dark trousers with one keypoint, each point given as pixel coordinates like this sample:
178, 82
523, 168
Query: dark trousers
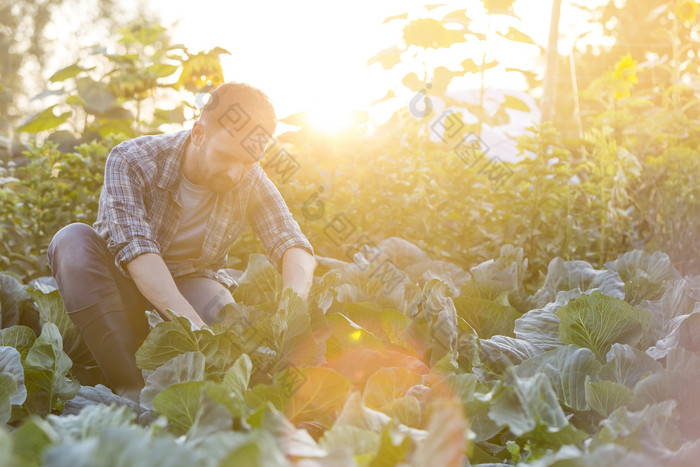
107, 307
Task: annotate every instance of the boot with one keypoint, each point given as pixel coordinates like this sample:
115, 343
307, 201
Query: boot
107, 332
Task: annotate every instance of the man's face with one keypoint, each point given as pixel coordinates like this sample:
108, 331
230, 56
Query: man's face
222, 161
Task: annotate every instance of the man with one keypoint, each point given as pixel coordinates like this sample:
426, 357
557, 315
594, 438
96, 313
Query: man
170, 208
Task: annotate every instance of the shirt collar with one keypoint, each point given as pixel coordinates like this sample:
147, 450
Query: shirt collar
170, 174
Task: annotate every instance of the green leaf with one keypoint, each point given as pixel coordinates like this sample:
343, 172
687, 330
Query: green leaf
644, 275
569, 275
161, 70
391, 451
295, 442
209, 421
12, 299
544, 438
412, 82
111, 127
231, 391
678, 386
294, 341
51, 310
437, 311
237, 377
44, 121
166, 341
430, 33
97, 395
356, 414
604, 397
516, 35
258, 450
567, 369
123, 446
304, 394
362, 443
488, 66
98, 98
523, 403
394, 17
499, 7
148, 35
31, 439
653, 425
470, 66
183, 368
508, 271
500, 352
449, 273
359, 364
389, 384
457, 17
11, 365
45, 371
513, 102
682, 360
539, 327
627, 365
171, 338
8, 387
597, 321
180, 403
176, 115
68, 72
388, 58
405, 410
346, 335
446, 443
118, 113
683, 333
6, 455
260, 283
401, 252
320, 396
442, 77
19, 337
91, 421
487, 317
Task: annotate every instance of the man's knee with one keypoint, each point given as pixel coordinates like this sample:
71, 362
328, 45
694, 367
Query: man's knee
74, 242
206, 296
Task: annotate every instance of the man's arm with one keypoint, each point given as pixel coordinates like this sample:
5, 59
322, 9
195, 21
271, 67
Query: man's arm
298, 271
278, 232
131, 237
154, 281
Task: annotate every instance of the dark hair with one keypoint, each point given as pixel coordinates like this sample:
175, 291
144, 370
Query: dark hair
249, 102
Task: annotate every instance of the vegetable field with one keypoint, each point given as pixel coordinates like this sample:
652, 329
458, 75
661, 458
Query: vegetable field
394, 360
508, 240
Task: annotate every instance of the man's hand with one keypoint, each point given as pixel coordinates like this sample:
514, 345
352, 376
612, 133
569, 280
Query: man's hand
154, 281
298, 271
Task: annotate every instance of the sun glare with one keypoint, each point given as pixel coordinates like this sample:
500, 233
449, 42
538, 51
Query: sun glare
330, 119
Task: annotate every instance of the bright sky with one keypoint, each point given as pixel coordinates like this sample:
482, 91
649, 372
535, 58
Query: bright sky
312, 54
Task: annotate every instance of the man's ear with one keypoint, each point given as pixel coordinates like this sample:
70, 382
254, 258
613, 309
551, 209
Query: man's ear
197, 135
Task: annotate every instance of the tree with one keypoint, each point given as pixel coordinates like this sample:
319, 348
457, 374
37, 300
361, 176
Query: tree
550, 77
23, 42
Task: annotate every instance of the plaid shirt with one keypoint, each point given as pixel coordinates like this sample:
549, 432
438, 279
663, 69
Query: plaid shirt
139, 210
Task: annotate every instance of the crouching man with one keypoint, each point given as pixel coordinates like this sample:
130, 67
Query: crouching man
170, 209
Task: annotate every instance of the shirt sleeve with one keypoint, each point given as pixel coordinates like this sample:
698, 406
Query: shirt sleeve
125, 215
273, 224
